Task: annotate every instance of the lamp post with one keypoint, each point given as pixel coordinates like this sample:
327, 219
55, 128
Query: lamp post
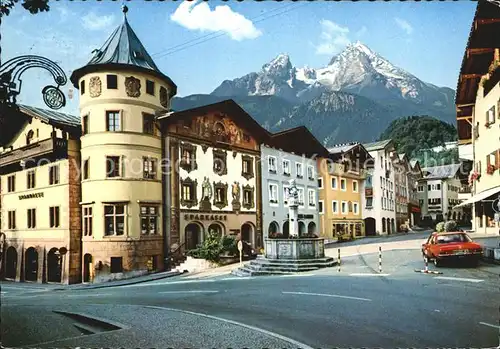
11, 83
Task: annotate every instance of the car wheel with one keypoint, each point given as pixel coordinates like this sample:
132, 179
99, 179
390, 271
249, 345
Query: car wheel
437, 262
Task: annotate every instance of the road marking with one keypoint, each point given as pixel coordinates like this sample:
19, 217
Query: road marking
88, 295
489, 325
368, 274
266, 332
165, 283
328, 295
457, 279
296, 275
191, 291
236, 278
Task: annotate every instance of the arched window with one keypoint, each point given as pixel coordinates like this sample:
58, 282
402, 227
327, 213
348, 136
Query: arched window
29, 137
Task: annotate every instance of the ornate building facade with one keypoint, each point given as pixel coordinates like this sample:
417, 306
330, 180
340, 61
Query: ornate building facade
211, 179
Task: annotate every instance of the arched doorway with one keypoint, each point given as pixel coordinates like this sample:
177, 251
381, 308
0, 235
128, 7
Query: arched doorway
311, 228
31, 264
11, 263
193, 235
454, 215
370, 226
87, 265
274, 228
216, 228
302, 228
393, 226
389, 225
286, 229
54, 265
247, 233
383, 225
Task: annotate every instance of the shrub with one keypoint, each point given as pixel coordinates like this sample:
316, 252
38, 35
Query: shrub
214, 246
450, 226
229, 244
440, 227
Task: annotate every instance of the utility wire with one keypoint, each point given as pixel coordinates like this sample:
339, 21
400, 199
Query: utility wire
217, 32
221, 34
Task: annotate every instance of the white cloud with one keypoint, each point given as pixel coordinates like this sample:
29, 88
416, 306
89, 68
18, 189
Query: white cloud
333, 38
404, 25
91, 21
222, 18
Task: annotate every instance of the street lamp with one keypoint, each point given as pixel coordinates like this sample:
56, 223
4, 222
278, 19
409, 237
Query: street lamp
11, 83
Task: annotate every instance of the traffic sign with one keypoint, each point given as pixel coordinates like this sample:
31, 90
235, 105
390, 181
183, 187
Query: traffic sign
240, 246
497, 217
496, 205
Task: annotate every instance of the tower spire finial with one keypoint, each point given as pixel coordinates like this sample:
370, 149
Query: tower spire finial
124, 10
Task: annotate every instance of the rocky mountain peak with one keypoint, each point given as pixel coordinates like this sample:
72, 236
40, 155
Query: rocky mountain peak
279, 63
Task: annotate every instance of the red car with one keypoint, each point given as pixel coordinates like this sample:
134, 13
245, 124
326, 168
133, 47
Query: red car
451, 246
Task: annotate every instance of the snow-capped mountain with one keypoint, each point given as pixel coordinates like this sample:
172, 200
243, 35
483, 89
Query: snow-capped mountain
356, 70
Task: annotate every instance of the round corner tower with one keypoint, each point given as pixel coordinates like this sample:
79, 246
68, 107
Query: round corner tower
121, 90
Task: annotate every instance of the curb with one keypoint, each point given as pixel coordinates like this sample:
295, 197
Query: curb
117, 284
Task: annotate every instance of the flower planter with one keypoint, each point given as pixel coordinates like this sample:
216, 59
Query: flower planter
302, 248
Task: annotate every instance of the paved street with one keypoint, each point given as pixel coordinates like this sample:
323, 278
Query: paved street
356, 307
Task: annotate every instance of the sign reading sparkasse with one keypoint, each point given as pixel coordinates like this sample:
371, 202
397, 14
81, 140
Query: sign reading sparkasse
31, 196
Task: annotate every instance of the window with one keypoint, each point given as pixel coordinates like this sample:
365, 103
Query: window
311, 197
220, 164
111, 82
369, 202
343, 207
286, 167
355, 208
221, 195
54, 175
248, 194
273, 193
271, 164
30, 177
490, 116
188, 192
310, 172
114, 219
85, 124
112, 166
286, 193
420, 188
116, 265
82, 87
87, 221
11, 183
29, 137
247, 167
334, 183
320, 183
86, 168
298, 170
12, 220
149, 168
31, 218
150, 87
438, 187
149, 219
320, 206
54, 216
148, 123
188, 157
300, 191
355, 186
113, 121
343, 184
335, 206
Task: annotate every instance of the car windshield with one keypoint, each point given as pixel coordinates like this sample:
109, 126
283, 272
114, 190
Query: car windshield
450, 238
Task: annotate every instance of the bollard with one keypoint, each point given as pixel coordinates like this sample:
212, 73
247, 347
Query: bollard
338, 260
380, 259
426, 265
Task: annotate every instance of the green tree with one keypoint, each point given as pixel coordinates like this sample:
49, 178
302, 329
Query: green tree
33, 6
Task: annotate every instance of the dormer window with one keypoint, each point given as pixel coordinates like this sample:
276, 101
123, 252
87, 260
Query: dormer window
138, 55
111, 82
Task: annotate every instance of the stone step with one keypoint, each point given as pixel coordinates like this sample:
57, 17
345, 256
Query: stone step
294, 261
290, 269
309, 266
249, 272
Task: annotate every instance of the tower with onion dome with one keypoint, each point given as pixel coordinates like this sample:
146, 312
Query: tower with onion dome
121, 90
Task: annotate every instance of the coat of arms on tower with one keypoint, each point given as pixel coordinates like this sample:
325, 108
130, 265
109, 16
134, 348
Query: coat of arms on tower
95, 86
133, 86
164, 97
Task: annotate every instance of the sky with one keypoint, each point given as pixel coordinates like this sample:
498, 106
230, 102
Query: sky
199, 44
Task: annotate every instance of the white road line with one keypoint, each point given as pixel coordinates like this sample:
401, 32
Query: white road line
164, 283
457, 279
236, 278
269, 333
368, 274
88, 295
328, 295
296, 275
190, 291
489, 325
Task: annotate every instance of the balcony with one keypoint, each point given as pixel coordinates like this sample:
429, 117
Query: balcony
50, 146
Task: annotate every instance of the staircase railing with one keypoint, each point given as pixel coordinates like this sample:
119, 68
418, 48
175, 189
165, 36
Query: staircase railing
176, 254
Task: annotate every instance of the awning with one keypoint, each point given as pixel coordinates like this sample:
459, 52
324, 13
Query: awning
480, 196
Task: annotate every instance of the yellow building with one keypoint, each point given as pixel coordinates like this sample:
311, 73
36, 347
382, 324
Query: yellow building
40, 192
478, 115
341, 185
121, 89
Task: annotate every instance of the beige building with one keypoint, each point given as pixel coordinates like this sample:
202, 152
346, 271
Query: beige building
121, 89
40, 195
478, 115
